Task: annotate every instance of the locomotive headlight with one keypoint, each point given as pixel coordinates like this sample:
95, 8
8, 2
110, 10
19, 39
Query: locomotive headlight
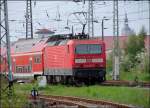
80, 60
99, 60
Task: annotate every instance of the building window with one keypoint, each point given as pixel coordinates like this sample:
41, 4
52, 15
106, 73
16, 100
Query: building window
37, 59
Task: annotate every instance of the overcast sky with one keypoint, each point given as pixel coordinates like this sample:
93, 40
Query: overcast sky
44, 13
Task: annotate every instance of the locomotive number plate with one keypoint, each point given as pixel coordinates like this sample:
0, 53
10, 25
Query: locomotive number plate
88, 60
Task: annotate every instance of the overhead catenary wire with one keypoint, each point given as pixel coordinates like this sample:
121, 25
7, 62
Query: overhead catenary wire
97, 15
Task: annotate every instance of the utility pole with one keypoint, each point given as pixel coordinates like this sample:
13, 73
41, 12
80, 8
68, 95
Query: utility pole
5, 34
102, 29
4, 26
116, 41
90, 19
102, 26
28, 16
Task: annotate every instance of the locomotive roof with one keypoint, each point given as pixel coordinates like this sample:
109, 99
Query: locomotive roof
57, 43
37, 44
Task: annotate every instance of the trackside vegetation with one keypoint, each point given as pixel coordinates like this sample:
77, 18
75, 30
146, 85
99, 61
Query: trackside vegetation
134, 59
125, 95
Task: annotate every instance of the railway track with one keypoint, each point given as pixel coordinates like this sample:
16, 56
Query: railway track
107, 83
76, 102
125, 83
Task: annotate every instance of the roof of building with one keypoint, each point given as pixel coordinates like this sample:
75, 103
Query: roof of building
44, 31
122, 40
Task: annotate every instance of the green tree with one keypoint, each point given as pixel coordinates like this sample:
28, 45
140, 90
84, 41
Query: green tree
109, 66
134, 47
141, 37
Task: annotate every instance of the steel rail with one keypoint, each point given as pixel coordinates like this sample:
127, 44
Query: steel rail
82, 102
125, 83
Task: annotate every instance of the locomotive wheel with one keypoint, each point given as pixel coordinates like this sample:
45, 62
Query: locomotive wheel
102, 79
68, 80
51, 79
77, 84
63, 80
48, 79
58, 79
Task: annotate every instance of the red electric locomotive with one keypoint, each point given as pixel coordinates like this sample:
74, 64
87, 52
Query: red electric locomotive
75, 60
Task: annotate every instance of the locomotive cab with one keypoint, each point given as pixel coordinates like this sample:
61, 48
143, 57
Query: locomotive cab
89, 60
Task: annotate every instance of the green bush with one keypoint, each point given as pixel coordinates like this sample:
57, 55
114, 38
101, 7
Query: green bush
146, 64
109, 65
134, 50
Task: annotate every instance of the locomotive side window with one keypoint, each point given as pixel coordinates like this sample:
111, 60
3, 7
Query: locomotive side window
37, 59
88, 49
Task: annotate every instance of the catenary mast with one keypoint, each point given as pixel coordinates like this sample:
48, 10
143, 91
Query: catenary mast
90, 19
28, 16
116, 41
4, 31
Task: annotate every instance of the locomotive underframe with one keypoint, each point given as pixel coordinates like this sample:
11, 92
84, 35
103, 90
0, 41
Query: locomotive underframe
87, 76
90, 74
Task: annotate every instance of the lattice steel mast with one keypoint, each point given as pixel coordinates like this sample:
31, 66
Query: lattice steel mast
28, 16
116, 41
90, 19
5, 34
4, 31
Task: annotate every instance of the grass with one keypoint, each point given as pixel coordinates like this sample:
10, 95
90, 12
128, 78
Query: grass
125, 95
18, 96
130, 76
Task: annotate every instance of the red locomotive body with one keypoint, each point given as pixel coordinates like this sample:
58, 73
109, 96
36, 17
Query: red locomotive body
80, 60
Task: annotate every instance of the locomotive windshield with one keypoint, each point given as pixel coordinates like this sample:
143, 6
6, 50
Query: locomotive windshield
88, 49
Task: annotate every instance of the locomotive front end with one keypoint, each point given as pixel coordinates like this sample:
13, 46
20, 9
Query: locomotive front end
90, 61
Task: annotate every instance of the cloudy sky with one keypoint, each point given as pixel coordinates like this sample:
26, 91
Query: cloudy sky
45, 13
